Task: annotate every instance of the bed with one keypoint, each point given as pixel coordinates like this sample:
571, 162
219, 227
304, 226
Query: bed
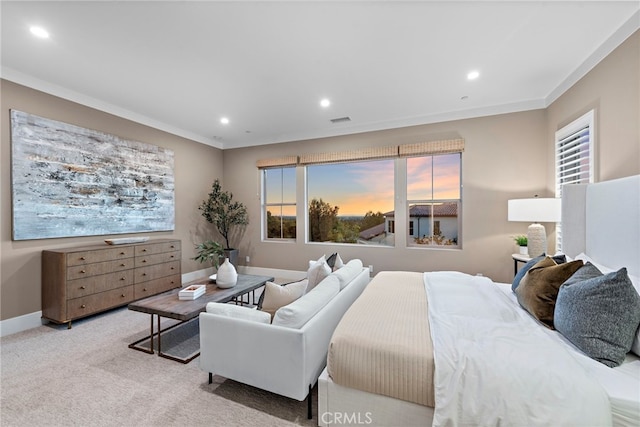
497, 365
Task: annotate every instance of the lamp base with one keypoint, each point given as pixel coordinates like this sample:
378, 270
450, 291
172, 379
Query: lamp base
536, 240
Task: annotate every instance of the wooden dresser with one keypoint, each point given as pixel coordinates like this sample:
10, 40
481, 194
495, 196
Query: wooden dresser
81, 281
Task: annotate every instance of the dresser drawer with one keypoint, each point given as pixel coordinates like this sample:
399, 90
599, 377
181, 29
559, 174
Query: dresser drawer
80, 307
144, 274
94, 284
146, 260
89, 257
152, 287
156, 248
82, 271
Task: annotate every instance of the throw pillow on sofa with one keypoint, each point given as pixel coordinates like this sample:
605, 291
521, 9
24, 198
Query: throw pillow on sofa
239, 312
317, 272
276, 296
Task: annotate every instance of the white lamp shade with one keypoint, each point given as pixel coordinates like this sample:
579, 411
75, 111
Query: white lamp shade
534, 210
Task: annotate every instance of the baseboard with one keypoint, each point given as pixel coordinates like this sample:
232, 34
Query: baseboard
21, 323
274, 272
33, 320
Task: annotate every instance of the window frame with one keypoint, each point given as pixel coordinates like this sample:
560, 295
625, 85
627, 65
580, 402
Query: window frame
265, 205
563, 137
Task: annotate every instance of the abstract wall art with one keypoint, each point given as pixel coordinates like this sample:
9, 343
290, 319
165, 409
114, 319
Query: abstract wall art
69, 181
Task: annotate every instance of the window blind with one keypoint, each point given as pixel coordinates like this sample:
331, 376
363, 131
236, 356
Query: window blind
446, 146
277, 162
574, 158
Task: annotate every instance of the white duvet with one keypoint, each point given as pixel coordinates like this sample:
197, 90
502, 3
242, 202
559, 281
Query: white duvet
495, 366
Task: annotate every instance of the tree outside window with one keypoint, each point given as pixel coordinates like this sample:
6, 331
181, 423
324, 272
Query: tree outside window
347, 201
279, 207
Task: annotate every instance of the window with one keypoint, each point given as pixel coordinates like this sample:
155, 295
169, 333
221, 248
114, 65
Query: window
434, 200
279, 203
574, 162
347, 202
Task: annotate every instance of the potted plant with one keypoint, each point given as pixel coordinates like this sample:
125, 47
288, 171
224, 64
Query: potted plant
209, 251
521, 241
224, 213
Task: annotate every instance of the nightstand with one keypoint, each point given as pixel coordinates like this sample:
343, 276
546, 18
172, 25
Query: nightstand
519, 258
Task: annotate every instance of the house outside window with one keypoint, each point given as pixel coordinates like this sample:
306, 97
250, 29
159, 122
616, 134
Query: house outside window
434, 200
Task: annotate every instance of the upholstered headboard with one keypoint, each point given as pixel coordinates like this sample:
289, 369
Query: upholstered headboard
602, 220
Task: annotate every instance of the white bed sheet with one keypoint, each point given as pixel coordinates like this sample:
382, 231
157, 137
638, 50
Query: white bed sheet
489, 357
622, 384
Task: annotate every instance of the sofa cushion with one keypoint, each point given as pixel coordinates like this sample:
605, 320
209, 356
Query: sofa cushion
299, 312
238, 311
276, 296
317, 272
347, 273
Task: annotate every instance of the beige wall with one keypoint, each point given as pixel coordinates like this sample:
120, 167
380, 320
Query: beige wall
505, 157
196, 166
612, 88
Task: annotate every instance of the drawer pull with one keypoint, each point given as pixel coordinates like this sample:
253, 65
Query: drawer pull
144, 250
82, 258
83, 287
122, 295
144, 274
83, 306
144, 289
172, 256
173, 247
173, 282
123, 265
82, 271
122, 278
121, 253
173, 268
144, 260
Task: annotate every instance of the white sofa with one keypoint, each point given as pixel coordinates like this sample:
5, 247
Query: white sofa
283, 360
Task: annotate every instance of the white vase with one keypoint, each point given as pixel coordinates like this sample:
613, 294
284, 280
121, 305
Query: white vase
226, 277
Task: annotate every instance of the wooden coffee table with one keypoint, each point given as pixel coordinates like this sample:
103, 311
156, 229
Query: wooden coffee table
170, 306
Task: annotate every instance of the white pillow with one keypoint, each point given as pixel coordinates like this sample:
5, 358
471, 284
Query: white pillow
338, 264
299, 312
239, 312
276, 296
317, 272
347, 273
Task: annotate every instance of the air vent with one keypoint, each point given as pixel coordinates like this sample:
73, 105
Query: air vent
341, 120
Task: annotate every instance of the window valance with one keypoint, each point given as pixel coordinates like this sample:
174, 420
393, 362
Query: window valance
422, 148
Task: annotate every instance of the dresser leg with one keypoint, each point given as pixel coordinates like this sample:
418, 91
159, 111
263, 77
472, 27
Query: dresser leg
69, 324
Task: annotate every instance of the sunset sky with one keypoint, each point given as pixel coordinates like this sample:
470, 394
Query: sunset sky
357, 188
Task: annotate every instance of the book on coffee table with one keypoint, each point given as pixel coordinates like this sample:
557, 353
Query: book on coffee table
192, 292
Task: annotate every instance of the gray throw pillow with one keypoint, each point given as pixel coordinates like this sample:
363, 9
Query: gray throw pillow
599, 315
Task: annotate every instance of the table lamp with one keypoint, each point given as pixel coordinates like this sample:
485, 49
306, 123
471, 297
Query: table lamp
535, 210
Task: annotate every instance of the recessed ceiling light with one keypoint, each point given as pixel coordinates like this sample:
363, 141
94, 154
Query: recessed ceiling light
39, 32
325, 103
473, 75
224, 121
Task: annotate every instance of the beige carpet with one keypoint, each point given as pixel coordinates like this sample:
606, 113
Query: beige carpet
88, 376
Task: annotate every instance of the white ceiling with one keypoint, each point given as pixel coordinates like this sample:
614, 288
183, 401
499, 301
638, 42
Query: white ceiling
182, 65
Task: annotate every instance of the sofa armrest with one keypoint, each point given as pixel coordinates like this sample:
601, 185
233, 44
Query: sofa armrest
261, 355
